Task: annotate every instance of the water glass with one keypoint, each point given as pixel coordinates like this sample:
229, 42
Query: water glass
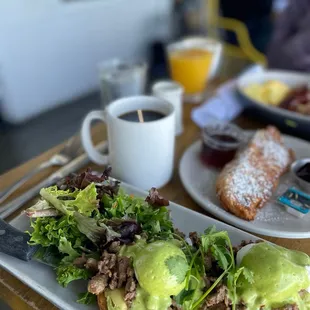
119, 78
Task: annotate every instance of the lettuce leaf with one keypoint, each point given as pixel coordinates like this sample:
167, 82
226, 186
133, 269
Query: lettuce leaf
82, 201
65, 247
42, 209
52, 194
87, 298
102, 231
49, 231
155, 222
86, 200
67, 273
94, 230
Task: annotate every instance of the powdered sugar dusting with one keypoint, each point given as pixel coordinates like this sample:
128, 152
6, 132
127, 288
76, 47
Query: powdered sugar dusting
273, 151
247, 184
250, 179
273, 213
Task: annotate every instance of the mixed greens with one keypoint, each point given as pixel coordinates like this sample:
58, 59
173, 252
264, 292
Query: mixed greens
89, 214
128, 249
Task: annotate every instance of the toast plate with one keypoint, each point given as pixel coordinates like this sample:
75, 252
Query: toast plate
271, 220
41, 278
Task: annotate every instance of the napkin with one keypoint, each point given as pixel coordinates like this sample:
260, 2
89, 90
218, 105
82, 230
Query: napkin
224, 105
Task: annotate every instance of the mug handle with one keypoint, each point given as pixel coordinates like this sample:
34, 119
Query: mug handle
88, 145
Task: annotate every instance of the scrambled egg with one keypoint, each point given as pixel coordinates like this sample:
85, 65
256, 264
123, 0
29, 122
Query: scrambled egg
270, 92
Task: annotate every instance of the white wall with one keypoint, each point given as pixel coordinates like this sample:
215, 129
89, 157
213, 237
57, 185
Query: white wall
49, 49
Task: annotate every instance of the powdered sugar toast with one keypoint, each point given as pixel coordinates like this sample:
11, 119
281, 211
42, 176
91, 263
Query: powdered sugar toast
247, 183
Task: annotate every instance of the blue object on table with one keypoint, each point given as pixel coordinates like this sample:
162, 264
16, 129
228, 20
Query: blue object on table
296, 200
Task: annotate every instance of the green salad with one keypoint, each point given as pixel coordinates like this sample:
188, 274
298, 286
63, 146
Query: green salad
131, 256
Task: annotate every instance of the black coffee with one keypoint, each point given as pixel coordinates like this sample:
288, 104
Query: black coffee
148, 116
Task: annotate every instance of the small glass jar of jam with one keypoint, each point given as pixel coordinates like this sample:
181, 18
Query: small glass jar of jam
220, 142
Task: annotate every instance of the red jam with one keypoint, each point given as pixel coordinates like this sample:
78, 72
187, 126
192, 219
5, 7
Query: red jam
220, 144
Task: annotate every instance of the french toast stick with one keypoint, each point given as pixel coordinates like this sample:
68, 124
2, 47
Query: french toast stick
247, 183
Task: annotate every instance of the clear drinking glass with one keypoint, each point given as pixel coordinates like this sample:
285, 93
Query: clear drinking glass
119, 78
192, 62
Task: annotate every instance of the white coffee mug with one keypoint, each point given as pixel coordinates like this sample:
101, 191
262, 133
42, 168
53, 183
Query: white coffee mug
141, 154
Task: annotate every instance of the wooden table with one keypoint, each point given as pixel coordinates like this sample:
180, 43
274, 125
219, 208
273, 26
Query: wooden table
20, 297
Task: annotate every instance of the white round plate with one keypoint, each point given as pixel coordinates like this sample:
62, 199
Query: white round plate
272, 220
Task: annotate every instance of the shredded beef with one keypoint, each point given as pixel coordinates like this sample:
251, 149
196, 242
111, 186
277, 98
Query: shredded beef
114, 281
114, 247
107, 263
209, 280
208, 260
88, 263
303, 293
243, 243
174, 306
114, 272
288, 307
218, 297
91, 264
218, 300
80, 261
195, 239
130, 290
220, 306
98, 284
179, 233
155, 200
123, 265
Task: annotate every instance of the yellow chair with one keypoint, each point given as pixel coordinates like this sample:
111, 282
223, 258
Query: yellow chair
215, 21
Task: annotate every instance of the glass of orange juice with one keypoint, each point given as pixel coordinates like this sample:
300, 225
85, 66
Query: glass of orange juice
192, 61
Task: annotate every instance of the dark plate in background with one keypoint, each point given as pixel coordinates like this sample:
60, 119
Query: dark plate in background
288, 122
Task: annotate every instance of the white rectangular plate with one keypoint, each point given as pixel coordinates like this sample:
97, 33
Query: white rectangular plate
41, 278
